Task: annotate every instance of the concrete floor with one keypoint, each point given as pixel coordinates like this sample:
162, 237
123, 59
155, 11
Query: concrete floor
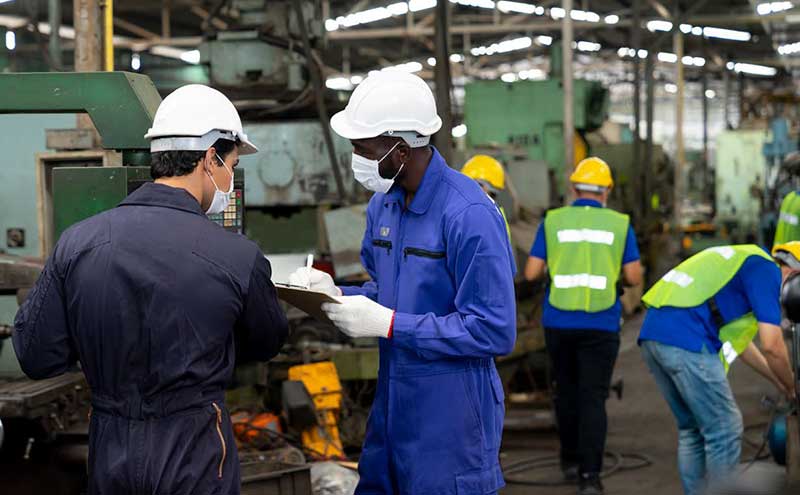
641, 422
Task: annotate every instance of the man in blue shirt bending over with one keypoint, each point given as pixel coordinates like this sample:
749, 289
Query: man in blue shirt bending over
702, 315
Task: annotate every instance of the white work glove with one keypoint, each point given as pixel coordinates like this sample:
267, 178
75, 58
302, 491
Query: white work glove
317, 280
360, 316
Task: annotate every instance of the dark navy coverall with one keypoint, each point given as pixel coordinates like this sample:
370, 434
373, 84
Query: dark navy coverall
150, 298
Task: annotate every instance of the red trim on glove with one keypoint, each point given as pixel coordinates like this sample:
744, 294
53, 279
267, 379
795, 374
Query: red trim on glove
391, 326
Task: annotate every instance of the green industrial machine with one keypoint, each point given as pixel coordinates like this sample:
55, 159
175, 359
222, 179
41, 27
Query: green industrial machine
524, 121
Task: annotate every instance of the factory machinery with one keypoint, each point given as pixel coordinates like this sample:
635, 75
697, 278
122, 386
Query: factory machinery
294, 197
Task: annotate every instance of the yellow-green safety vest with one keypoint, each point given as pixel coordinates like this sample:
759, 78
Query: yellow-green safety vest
584, 256
788, 228
697, 280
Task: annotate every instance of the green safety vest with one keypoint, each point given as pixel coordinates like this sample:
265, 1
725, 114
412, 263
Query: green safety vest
697, 280
584, 256
505, 219
788, 228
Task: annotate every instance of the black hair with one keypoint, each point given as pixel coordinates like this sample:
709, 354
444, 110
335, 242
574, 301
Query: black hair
178, 163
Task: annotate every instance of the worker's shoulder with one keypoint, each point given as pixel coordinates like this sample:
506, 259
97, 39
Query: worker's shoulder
230, 251
84, 235
460, 192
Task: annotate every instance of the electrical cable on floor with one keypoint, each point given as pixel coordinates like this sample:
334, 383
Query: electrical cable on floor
620, 462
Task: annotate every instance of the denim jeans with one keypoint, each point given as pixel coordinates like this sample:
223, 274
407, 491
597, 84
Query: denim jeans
709, 422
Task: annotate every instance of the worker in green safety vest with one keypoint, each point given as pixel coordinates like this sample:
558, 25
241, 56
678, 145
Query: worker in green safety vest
701, 316
589, 251
788, 228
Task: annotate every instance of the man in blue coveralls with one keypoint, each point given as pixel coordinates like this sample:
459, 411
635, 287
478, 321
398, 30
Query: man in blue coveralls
150, 297
701, 316
441, 299
588, 250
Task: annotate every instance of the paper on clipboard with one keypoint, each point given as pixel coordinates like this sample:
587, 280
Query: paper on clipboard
306, 300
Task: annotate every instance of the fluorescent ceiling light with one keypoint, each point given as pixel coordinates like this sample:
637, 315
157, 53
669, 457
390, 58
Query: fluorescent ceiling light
670, 58
503, 46
11, 40
772, 7
406, 67
539, 11
356, 80
508, 77
417, 5
339, 83
611, 19
686, 28
516, 7
584, 15
754, 69
789, 49
188, 56
532, 74
456, 58
642, 53
710, 93
191, 57
587, 46
483, 4
557, 13
432, 61
331, 25
544, 40
697, 31
670, 88
659, 26
726, 34
459, 131
136, 61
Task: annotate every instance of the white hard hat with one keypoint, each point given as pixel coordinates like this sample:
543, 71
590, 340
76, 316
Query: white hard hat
192, 118
390, 103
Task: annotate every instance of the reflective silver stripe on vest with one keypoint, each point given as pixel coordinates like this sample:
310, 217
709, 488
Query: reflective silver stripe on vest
729, 353
586, 235
679, 278
580, 280
789, 218
726, 252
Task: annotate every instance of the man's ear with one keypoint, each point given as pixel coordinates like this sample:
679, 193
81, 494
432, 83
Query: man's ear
404, 152
210, 159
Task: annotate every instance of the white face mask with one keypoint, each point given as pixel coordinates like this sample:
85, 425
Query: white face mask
366, 172
221, 198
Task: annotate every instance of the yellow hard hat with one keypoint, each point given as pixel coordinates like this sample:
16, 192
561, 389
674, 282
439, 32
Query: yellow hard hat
788, 253
485, 168
592, 171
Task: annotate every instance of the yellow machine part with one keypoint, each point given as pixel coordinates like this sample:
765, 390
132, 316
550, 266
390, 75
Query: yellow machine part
581, 149
322, 382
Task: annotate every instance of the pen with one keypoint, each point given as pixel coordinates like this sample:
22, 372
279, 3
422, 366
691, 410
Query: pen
309, 263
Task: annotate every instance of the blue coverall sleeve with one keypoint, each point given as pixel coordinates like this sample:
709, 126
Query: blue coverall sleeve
483, 324
262, 327
42, 338
368, 289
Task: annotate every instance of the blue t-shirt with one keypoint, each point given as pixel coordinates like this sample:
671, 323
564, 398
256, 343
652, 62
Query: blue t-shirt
756, 287
608, 319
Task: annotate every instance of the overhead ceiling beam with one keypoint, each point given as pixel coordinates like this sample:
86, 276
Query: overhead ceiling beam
133, 28
419, 30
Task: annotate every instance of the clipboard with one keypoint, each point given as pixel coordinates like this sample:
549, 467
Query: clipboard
306, 300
